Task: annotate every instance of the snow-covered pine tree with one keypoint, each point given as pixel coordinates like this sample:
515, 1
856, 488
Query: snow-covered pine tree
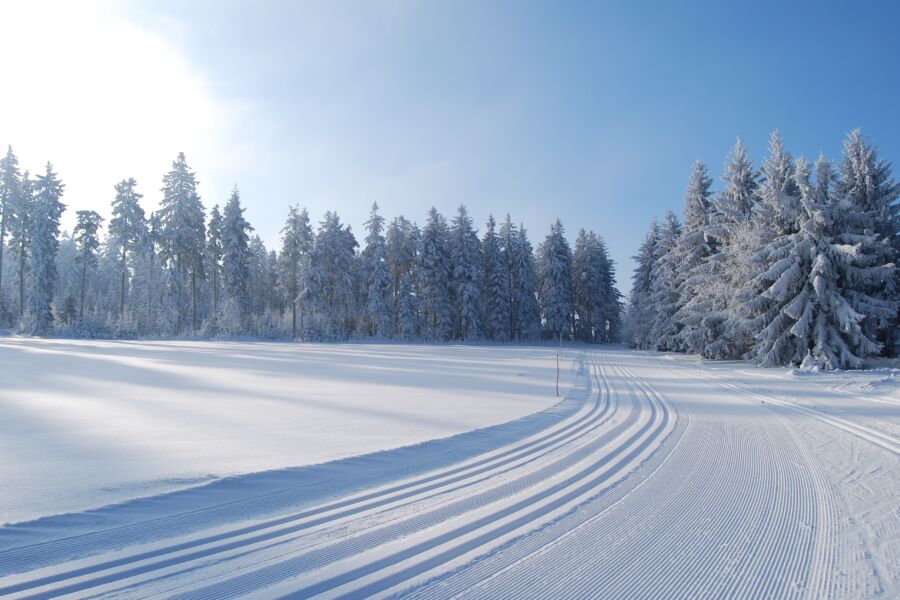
763, 262
509, 249
87, 243
730, 224
407, 309
183, 233
236, 260
10, 183
401, 240
555, 266
432, 265
869, 193
495, 282
697, 244
665, 281
127, 230
43, 246
525, 290
821, 310
641, 312
593, 299
464, 265
376, 279
215, 250
610, 323
333, 261
296, 245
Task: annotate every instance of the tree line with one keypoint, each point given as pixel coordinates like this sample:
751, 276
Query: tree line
789, 264
179, 271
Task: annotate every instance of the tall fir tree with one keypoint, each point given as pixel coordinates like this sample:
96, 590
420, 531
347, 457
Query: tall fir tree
10, 190
376, 278
215, 250
464, 266
433, 274
236, 259
183, 235
869, 194
127, 230
495, 284
697, 244
526, 290
43, 246
87, 242
296, 244
555, 265
641, 312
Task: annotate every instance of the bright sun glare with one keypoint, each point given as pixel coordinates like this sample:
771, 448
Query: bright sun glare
97, 96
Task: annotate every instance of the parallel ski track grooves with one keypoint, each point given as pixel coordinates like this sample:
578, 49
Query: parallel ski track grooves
598, 414
471, 578
310, 559
631, 548
570, 489
868, 434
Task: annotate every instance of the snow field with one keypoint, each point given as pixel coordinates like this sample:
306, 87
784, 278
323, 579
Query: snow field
654, 477
91, 423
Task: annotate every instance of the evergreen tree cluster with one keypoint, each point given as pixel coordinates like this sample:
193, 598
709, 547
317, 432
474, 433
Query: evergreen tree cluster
789, 264
182, 272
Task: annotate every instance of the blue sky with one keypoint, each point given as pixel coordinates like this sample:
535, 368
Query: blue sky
589, 111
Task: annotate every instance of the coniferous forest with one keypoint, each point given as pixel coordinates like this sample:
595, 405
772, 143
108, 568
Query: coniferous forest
182, 272
792, 263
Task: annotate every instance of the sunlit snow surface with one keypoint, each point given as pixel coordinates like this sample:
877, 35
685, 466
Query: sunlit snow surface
655, 475
88, 423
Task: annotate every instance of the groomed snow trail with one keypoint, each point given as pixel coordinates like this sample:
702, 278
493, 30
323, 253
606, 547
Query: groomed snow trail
652, 478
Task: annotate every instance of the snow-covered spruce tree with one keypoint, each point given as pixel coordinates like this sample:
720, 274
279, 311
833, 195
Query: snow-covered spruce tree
730, 224
19, 230
693, 256
296, 245
555, 267
407, 310
10, 183
764, 257
869, 194
586, 286
377, 318
525, 290
236, 261
816, 285
127, 230
433, 269
215, 250
331, 281
611, 318
464, 253
43, 246
641, 312
665, 281
495, 282
183, 234
509, 249
401, 240
87, 243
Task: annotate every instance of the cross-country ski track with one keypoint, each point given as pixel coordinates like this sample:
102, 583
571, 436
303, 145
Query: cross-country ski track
652, 478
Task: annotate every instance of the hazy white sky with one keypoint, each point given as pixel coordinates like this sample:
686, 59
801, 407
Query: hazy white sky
591, 112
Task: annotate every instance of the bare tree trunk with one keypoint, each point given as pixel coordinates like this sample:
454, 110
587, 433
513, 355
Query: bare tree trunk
122, 289
194, 301
22, 280
83, 281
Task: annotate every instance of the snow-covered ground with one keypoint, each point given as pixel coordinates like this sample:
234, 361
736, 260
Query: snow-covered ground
656, 476
90, 423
